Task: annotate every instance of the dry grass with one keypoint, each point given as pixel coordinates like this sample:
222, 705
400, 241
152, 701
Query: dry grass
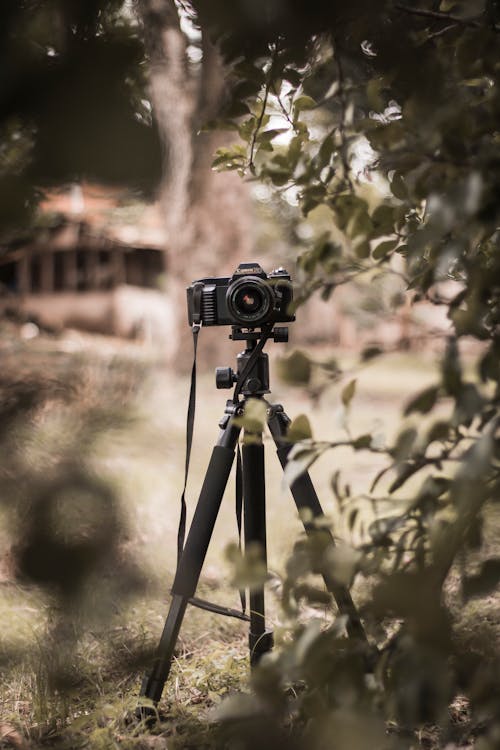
143, 459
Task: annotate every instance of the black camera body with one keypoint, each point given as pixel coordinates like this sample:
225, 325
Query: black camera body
249, 298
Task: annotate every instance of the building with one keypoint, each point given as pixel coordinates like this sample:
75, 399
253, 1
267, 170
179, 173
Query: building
86, 266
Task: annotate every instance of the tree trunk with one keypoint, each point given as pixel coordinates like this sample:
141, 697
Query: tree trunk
207, 214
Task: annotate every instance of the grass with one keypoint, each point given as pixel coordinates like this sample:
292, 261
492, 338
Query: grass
71, 673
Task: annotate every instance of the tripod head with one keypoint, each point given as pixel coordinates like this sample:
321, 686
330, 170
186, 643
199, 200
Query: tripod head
251, 368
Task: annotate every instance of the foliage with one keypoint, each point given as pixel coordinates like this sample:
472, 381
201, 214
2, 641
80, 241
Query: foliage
325, 99
72, 102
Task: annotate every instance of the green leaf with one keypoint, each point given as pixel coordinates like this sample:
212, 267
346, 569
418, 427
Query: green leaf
362, 249
398, 187
248, 570
360, 225
342, 563
278, 177
423, 402
348, 393
404, 444
254, 417
299, 462
303, 102
345, 206
300, 429
325, 152
295, 150
264, 146
384, 248
311, 197
468, 405
439, 431
230, 158
268, 135
362, 442
295, 369
246, 129
383, 220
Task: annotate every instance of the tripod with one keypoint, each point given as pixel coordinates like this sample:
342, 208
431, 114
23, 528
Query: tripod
252, 380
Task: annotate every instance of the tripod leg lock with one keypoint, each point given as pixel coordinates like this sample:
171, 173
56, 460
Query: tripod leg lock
260, 644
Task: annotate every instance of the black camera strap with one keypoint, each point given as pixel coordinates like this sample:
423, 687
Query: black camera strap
196, 601
195, 328
189, 441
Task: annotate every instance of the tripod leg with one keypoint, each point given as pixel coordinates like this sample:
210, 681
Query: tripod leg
254, 499
193, 556
305, 496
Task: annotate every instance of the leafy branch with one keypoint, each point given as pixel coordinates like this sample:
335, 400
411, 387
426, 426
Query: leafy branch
343, 115
260, 119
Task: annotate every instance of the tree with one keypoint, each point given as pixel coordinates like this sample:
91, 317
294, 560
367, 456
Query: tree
71, 103
75, 105
207, 215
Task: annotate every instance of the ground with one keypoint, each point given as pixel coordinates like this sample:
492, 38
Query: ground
139, 447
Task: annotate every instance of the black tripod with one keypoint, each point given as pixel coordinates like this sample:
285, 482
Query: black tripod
252, 380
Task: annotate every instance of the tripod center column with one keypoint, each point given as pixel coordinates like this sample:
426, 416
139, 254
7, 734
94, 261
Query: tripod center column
254, 498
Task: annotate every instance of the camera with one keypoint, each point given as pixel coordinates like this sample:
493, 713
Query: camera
249, 298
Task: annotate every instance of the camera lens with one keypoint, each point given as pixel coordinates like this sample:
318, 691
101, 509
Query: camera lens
249, 301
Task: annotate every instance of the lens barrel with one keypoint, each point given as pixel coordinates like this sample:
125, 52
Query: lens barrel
250, 300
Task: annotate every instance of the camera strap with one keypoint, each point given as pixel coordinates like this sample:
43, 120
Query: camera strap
196, 327
196, 601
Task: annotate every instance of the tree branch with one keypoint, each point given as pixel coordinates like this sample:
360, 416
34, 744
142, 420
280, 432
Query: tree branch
437, 15
258, 125
343, 111
169, 83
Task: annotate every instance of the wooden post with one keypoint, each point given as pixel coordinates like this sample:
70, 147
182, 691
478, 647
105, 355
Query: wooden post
47, 272
91, 265
118, 274
24, 272
70, 270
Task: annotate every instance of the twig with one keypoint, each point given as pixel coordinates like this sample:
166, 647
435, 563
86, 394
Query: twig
283, 109
343, 111
442, 31
258, 126
437, 15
